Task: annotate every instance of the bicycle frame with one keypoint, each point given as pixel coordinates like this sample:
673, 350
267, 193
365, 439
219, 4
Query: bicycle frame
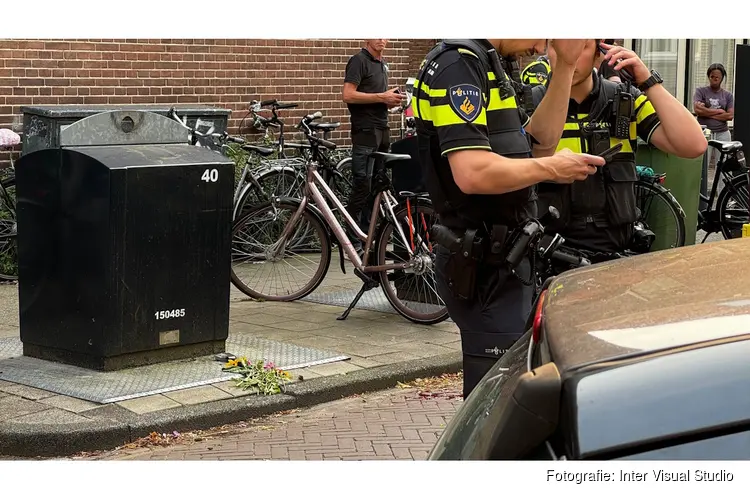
720, 173
313, 186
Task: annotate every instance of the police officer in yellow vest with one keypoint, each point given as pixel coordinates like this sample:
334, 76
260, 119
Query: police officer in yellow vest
481, 156
598, 213
535, 73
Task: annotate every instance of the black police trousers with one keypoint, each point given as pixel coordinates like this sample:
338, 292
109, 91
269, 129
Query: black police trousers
493, 321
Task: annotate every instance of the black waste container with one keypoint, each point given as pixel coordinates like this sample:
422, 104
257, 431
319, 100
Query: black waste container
124, 248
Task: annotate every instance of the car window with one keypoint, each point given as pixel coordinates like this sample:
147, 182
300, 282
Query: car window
729, 447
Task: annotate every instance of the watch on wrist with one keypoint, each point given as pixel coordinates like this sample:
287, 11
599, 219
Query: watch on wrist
654, 79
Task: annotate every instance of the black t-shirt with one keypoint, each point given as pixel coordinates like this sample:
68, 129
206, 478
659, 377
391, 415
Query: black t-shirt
371, 77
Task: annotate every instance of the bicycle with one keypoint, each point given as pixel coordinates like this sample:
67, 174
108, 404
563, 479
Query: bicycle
262, 123
292, 175
286, 174
8, 219
320, 219
733, 203
653, 199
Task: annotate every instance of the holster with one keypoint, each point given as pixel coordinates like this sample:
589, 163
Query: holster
467, 254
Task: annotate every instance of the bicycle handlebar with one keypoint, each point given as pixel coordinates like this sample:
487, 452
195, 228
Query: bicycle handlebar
304, 125
223, 136
575, 260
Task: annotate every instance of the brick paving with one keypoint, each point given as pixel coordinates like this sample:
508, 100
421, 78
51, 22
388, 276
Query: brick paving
396, 424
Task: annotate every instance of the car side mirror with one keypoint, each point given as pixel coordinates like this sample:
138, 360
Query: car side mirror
530, 416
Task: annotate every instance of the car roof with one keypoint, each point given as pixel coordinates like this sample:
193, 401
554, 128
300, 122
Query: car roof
649, 402
648, 302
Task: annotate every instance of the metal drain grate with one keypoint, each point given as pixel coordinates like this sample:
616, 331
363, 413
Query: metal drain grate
372, 300
110, 387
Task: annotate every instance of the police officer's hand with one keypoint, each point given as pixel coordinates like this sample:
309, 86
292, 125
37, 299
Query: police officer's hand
568, 50
621, 58
569, 167
392, 98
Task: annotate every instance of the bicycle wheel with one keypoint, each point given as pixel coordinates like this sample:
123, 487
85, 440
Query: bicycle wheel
734, 207
258, 255
414, 292
661, 213
8, 231
274, 183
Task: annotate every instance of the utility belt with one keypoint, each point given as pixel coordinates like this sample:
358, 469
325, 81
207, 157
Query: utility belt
470, 250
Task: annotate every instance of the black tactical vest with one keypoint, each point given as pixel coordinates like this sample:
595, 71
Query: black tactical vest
506, 137
607, 198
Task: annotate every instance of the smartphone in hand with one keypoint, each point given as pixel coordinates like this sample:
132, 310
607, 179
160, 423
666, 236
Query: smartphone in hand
609, 154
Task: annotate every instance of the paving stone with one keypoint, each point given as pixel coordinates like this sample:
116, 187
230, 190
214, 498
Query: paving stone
197, 395
15, 406
438, 337
364, 362
319, 317
51, 416
362, 350
394, 357
301, 327
8, 331
148, 404
27, 392
319, 342
260, 318
68, 403
424, 350
337, 368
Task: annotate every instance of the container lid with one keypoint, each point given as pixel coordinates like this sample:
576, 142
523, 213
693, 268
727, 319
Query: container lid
84, 110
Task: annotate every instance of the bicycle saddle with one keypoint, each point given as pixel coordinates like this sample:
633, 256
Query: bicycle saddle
261, 150
389, 157
325, 126
726, 146
409, 194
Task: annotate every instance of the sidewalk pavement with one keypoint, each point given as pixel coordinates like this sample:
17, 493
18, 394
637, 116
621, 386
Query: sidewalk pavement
399, 423
384, 348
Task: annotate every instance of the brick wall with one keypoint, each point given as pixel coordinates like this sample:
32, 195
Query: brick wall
224, 73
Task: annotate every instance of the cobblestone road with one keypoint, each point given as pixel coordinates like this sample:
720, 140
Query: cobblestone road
400, 423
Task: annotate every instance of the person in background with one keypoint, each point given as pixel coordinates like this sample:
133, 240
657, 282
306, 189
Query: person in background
715, 107
535, 73
367, 96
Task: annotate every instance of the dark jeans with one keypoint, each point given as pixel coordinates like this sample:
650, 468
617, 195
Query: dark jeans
364, 142
492, 322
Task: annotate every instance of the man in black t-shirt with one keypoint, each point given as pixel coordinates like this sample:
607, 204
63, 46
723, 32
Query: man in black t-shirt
368, 99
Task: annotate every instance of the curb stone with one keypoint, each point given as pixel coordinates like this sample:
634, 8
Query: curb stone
113, 426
